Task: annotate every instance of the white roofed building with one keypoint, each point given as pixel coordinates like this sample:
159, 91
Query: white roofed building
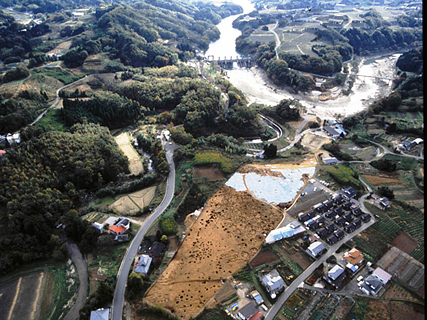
315, 249
273, 282
100, 314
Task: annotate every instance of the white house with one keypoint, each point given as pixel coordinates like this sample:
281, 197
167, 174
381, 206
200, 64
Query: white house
13, 138
273, 282
315, 248
99, 226
382, 275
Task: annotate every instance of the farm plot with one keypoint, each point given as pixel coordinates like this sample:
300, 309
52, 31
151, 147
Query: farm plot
404, 242
402, 310
21, 298
382, 179
206, 174
134, 202
263, 257
135, 164
297, 43
409, 271
342, 309
262, 37
226, 235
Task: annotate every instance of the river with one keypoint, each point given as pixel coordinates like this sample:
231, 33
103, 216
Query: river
258, 88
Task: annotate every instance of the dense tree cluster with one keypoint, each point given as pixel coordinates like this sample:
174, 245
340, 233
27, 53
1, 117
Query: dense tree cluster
16, 39
373, 19
44, 6
278, 70
21, 110
40, 182
196, 104
130, 32
412, 20
411, 61
247, 27
382, 38
105, 108
101, 298
20, 72
286, 110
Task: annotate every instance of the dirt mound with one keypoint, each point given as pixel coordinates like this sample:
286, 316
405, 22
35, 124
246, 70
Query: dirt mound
226, 235
259, 169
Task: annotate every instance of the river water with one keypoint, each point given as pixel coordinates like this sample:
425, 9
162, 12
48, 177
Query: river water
258, 88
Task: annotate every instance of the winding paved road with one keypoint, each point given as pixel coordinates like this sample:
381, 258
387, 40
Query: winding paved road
122, 276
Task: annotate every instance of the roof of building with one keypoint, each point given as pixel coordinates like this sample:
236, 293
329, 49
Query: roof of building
248, 310
273, 280
256, 316
117, 229
349, 192
156, 249
352, 267
284, 232
338, 276
111, 220
99, 226
124, 222
340, 129
332, 239
381, 274
373, 283
354, 256
339, 233
331, 131
143, 264
100, 314
335, 272
316, 247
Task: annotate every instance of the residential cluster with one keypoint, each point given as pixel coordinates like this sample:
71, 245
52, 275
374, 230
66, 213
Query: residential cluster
116, 226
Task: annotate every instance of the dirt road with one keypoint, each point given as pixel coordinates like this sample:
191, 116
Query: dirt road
81, 266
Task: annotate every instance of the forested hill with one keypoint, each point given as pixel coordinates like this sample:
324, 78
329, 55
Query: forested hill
40, 181
142, 33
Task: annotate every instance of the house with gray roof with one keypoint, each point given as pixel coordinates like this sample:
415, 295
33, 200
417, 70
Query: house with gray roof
335, 276
100, 314
143, 264
371, 285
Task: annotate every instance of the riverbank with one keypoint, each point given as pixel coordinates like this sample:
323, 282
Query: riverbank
260, 89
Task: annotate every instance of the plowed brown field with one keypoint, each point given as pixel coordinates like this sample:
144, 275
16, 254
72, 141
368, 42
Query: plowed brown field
226, 235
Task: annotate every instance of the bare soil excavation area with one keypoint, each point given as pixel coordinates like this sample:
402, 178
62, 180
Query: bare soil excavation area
226, 235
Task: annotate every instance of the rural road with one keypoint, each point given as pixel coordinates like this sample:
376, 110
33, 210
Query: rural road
122, 276
297, 282
56, 100
81, 266
278, 43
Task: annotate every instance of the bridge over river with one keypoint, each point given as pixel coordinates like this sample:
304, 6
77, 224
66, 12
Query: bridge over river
228, 63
